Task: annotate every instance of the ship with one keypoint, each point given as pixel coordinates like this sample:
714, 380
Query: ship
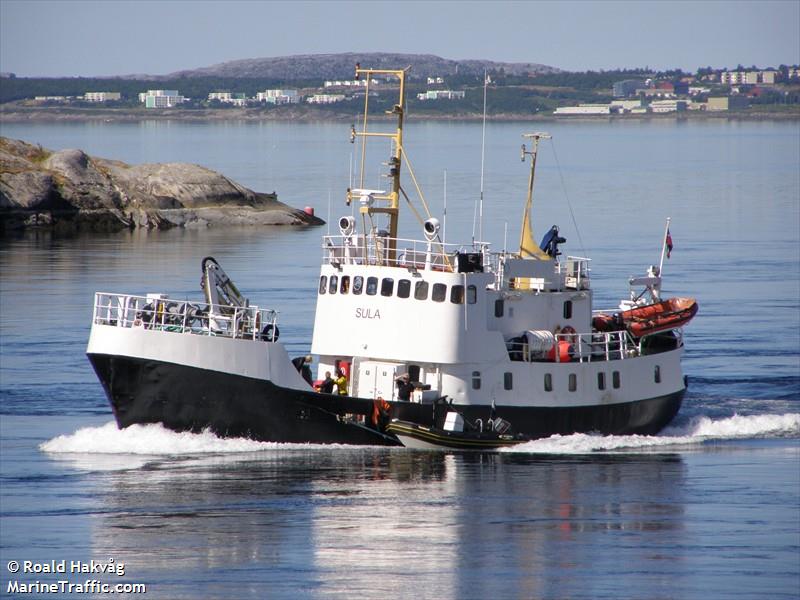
434, 329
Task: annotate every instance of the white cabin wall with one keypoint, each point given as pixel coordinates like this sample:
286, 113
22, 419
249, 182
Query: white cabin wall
541, 311
637, 381
405, 329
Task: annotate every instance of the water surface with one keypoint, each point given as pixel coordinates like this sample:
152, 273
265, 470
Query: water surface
710, 508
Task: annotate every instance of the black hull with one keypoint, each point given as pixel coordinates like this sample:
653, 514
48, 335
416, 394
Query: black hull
191, 399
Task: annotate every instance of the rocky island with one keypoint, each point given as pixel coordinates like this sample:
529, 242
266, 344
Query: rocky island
70, 190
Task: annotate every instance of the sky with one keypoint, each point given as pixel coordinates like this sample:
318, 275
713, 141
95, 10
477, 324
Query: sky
48, 38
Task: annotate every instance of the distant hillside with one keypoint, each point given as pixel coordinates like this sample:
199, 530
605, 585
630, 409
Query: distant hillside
341, 66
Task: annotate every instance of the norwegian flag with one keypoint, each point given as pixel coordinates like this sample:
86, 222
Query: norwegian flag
669, 243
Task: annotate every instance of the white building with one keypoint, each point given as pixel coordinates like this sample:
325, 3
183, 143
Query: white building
52, 98
350, 83
625, 105
747, 77
325, 98
236, 98
101, 96
441, 95
278, 97
435, 80
161, 98
584, 109
667, 106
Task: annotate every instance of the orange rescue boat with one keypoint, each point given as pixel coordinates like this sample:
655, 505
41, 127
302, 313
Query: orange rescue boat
645, 320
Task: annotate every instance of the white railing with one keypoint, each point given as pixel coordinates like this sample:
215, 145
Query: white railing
374, 250
578, 347
575, 272
180, 316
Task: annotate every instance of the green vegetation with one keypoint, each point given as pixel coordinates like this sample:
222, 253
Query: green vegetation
518, 94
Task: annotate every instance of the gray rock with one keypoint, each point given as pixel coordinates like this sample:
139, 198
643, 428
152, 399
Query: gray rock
40, 188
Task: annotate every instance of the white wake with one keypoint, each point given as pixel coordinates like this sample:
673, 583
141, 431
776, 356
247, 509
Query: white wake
156, 440
699, 431
149, 440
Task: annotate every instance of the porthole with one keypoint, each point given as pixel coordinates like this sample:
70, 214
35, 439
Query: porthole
457, 294
358, 284
403, 288
387, 286
345, 287
372, 286
508, 381
499, 308
548, 382
334, 284
601, 381
568, 309
476, 380
323, 284
573, 382
472, 294
439, 292
615, 380
657, 374
421, 290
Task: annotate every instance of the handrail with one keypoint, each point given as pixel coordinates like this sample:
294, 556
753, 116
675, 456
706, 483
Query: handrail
581, 347
410, 253
181, 316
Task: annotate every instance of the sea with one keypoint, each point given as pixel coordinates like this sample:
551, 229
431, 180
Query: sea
707, 509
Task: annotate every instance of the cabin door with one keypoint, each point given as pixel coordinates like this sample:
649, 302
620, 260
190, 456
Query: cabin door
376, 379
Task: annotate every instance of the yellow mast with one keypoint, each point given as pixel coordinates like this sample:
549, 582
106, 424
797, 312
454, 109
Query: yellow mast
528, 248
390, 201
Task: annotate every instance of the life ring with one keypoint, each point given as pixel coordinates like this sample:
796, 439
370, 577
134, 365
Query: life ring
569, 335
271, 333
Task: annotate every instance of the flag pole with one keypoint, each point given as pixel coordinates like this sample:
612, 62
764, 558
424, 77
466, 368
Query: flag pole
664, 247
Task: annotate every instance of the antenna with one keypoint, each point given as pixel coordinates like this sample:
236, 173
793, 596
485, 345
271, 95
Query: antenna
483, 154
444, 212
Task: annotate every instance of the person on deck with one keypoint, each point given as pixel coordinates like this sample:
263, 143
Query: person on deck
303, 366
341, 382
404, 387
326, 387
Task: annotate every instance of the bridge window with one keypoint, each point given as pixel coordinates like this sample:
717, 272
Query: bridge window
439, 292
476, 380
403, 288
548, 382
472, 294
358, 284
499, 308
334, 284
421, 290
573, 382
345, 284
601, 381
657, 374
457, 294
323, 284
387, 286
568, 309
508, 381
615, 381
372, 286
